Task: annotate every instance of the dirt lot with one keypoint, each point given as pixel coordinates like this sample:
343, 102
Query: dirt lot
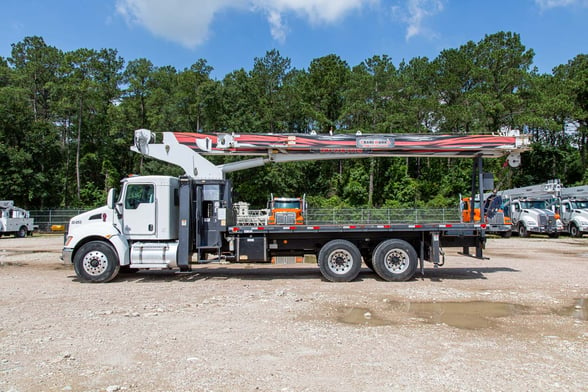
516, 322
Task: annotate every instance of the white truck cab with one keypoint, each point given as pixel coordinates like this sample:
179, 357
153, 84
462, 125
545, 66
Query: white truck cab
531, 215
110, 237
574, 215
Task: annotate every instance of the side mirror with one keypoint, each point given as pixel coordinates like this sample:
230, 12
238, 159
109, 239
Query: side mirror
112, 198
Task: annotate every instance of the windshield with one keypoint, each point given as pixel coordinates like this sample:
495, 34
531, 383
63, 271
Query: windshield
579, 204
533, 204
290, 204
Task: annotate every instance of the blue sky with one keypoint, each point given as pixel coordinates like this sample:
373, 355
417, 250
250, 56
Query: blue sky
230, 34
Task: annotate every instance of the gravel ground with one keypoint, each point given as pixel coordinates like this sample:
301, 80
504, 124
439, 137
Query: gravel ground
515, 322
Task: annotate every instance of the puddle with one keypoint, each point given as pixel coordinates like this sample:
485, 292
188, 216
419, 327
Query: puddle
464, 315
579, 310
360, 316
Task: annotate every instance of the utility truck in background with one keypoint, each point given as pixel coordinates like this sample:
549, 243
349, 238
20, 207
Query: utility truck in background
14, 220
286, 210
573, 209
529, 209
162, 222
493, 215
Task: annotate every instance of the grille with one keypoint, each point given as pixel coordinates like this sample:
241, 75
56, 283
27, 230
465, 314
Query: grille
285, 218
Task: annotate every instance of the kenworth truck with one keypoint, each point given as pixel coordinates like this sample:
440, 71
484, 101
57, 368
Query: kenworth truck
573, 209
529, 208
161, 222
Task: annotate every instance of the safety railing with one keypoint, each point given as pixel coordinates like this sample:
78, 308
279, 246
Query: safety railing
382, 215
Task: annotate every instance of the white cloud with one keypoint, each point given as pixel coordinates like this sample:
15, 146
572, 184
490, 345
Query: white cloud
183, 21
188, 22
414, 15
547, 4
315, 11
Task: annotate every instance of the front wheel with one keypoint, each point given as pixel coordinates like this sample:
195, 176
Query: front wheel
523, 233
395, 260
575, 231
339, 261
96, 262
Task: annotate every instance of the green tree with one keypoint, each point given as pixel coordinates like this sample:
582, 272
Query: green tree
136, 76
189, 95
324, 87
267, 86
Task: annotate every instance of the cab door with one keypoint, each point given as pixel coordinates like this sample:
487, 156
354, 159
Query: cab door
566, 212
139, 210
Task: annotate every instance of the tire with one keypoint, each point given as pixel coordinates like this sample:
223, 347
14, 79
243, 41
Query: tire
575, 231
506, 234
339, 261
522, 230
96, 262
395, 260
22, 232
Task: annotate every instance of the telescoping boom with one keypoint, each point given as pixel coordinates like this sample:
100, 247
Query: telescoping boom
187, 149
162, 222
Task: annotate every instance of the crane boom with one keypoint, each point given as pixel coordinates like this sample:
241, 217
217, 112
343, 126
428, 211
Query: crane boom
187, 149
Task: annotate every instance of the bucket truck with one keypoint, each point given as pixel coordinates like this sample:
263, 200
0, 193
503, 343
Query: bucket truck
529, 209
573, 210
15, 220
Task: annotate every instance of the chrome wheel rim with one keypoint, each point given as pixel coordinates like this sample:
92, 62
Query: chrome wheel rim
95, 263
396, 261
340, 261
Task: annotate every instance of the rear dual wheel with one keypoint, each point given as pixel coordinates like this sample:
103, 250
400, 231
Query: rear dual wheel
395, 260
22, 232
339, 261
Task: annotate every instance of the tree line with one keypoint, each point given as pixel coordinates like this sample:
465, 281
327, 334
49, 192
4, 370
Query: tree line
67, 120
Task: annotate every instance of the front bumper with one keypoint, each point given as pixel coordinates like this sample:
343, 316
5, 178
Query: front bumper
66, 256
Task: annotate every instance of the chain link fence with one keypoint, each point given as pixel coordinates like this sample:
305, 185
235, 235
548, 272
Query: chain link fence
58, 219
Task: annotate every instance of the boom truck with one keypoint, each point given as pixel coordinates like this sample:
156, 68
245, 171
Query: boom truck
573, 209
529, 209
162, 222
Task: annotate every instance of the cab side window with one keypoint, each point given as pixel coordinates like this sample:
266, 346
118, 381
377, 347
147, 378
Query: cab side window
139, 194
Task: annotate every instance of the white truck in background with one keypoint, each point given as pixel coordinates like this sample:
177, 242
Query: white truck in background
529, 209
14, 220
573, 209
